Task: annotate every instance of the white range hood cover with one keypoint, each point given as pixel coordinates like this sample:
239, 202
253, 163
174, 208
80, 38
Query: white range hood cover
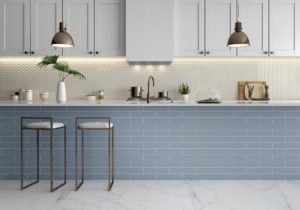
149, 30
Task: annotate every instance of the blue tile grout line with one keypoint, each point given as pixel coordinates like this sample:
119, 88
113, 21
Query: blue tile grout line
165, 142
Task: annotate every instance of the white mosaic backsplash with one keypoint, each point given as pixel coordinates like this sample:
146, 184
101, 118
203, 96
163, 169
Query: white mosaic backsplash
115, 76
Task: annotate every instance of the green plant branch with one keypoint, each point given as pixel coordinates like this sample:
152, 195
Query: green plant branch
63, 68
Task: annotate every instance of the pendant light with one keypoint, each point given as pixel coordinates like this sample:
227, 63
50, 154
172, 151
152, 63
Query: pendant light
62, 38
238, 38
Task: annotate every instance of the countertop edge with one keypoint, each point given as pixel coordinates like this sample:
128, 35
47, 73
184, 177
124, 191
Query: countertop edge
287, 103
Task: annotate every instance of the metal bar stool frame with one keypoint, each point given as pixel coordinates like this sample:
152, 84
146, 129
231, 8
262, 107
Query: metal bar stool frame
51, 129
111, 164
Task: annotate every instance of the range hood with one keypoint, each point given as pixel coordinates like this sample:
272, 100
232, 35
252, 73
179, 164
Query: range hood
149, 30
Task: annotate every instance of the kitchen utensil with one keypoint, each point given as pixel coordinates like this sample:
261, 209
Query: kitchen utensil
163, 94
136, 92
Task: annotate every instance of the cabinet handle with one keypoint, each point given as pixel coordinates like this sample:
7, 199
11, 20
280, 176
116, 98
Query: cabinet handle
201, 52
90, 52
26, 52
265, 52
32, 52
207, 52
272, 52
97, 52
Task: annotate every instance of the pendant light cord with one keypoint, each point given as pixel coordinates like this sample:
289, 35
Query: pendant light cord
237, 11
62, 12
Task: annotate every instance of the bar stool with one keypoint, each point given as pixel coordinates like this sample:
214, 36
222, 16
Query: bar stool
105, 125
47, 124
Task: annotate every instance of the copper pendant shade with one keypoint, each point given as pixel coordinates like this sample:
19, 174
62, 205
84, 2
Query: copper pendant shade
62, 38
238, 38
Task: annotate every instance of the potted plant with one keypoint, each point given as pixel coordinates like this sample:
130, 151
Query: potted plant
250, 90
64, 71
184, 90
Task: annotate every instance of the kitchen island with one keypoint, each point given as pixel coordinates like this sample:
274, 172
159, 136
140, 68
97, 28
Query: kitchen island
231, 140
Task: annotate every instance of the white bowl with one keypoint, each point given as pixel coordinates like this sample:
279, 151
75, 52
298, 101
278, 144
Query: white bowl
44, 96
91, 98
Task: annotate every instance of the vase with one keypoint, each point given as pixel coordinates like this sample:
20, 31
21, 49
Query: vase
61, 95
185, 97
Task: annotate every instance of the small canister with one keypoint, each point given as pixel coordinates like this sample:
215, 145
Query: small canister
28, 95
14, 97
22, 94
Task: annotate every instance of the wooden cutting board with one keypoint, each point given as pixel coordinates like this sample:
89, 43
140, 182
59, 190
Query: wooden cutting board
258, 90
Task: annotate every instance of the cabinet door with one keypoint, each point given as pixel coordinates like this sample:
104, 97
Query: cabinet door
254, 17
79, 18
189, 28
220, 19
284, 27
45, 18
14, 27
110, 27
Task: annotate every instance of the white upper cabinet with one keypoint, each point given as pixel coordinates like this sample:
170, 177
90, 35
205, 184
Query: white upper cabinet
79, 18
14, 27
28, 26
189, 28
149, 30
109, 27
45, 18
284, 27
202, 27
156, 30
254, 17
220, 20
97, 27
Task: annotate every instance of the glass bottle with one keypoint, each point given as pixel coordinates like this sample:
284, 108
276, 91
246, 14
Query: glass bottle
100, 95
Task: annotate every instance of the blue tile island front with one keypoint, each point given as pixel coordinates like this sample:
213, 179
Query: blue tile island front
164, 141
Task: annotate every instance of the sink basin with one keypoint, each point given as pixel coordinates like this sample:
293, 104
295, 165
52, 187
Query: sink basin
136, 102
152, 102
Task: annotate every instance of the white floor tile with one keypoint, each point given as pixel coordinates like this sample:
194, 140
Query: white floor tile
155, 195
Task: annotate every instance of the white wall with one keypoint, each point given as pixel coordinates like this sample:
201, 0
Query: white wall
115, 76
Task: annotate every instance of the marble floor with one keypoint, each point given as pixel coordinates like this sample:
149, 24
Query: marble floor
155, 195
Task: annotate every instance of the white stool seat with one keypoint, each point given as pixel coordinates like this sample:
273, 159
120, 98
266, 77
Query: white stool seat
43, 125
95, 125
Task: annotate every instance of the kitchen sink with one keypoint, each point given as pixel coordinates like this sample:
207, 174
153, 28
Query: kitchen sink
152, 102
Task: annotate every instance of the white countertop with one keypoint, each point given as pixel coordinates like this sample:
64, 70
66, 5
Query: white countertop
123, 103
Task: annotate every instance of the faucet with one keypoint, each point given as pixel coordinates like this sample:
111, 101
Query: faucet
148, 94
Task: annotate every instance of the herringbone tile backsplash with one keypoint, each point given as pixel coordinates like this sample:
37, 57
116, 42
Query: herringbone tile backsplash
115, 76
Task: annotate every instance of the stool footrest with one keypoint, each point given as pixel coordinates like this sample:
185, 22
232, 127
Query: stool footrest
29, 185
78, 186
110, 185
57, 187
